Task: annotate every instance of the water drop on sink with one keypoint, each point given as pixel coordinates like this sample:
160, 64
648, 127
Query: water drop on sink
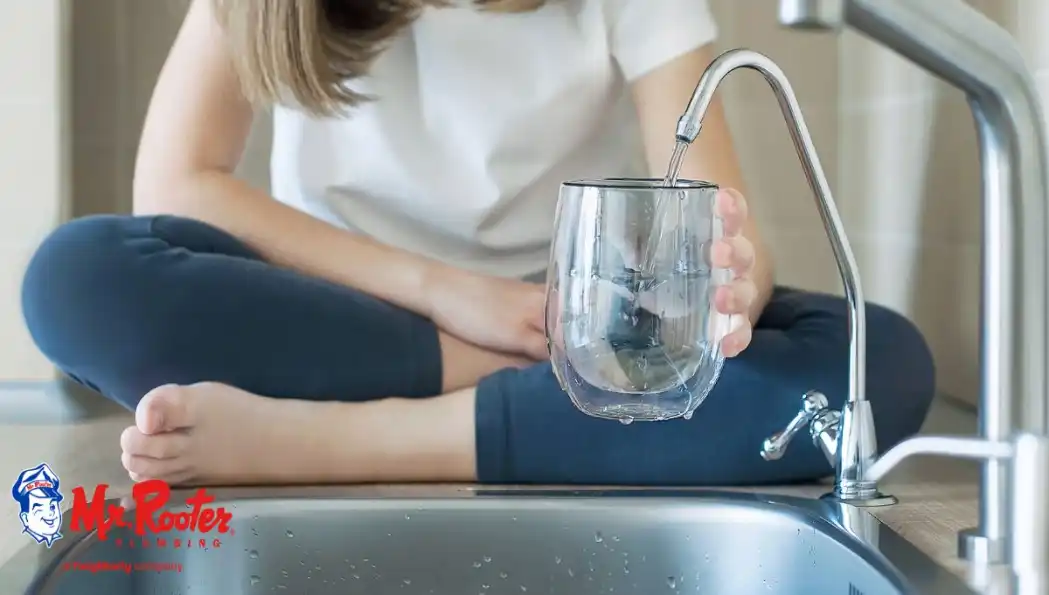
487, 559
289, 533
615, 538
484, 587
407, 581
626, 421
407, 517
672, 582
253, 554
557, 559
523, 588
571, 573
255, 580
477, 564
503, 575
598, 538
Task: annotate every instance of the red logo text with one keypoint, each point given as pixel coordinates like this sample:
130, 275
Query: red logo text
149, 515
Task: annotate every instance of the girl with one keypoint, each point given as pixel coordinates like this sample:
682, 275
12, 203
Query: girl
379, 320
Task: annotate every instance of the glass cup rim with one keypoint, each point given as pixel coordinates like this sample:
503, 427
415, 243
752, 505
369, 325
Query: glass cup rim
639, 184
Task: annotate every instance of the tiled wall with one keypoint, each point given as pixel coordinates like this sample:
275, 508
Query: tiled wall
898, 147
34, 162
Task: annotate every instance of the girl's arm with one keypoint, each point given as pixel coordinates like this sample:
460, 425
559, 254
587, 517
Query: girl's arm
661, 95
195, 132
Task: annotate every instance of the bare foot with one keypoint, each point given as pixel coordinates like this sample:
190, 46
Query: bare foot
208, 432
214, 434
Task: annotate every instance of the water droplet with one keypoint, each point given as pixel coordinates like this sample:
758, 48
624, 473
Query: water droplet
616, 538
598, 538
503, 575
407, 581
487, 559
626, 421
407, 517
253, 554
254, 532
289, 533
356, 577
523, 588
672, 582
571, 572
557, 559
255, 580
477, 564
284, 573
484, 587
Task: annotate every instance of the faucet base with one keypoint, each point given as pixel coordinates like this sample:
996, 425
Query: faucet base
980, 549
877, 500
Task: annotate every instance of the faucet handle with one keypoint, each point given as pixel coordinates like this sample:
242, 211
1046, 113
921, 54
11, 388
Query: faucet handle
812, 404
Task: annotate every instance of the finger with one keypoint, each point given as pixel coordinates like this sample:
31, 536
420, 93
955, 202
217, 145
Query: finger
535, 346
734, 253
537, 309
735, 297
731, 207
737, 340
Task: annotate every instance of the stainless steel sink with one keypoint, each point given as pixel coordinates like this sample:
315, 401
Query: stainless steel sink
471, 541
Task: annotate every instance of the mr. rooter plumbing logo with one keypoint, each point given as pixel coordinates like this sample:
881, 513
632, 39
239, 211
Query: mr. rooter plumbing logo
39, 496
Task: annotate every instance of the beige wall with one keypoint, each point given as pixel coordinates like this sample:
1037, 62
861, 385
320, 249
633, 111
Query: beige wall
33, 160
899, 149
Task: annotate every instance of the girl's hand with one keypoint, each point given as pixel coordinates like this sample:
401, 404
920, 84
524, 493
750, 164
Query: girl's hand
503, 315
736, 253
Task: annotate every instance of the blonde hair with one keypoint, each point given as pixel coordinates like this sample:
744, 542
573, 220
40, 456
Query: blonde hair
306, 50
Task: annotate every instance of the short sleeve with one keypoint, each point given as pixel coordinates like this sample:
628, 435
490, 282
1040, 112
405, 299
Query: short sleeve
645, 34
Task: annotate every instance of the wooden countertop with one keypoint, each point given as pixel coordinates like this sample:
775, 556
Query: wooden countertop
937, 497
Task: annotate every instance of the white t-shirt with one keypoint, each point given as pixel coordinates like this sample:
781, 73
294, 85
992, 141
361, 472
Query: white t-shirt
478, 119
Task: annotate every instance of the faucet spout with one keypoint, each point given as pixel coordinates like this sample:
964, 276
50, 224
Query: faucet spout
948, 446
688, 128
855, 442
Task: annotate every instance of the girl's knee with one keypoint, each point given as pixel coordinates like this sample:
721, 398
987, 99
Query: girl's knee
77, 287
73, 269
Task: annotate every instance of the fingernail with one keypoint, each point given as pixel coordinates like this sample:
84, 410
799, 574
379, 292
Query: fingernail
730, 347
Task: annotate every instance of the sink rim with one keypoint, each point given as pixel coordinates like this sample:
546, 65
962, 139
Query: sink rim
29, 570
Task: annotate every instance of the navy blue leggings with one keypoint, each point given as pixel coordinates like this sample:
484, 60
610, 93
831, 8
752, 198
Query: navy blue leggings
124, 304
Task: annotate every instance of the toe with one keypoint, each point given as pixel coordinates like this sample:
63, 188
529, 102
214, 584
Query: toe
164, 409
142, 468
166, 445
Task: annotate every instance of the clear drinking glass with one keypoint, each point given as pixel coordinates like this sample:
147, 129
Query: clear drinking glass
630, 316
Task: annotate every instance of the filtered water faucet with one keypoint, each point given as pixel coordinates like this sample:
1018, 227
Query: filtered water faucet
957, 43
846, 437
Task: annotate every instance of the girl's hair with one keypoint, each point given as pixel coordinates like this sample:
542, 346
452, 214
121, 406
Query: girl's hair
306, 50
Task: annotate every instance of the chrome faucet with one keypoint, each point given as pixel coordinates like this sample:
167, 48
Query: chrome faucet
846, 437
956, 42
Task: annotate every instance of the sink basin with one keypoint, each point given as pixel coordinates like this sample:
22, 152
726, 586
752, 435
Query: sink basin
472, 541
